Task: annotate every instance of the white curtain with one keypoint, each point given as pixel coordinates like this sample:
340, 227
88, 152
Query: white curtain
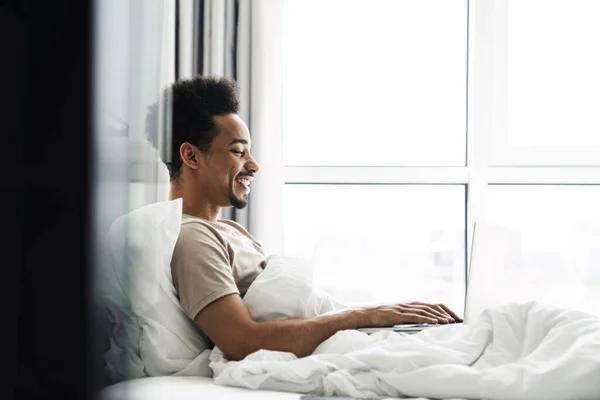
134, 57
134, 60
242, 39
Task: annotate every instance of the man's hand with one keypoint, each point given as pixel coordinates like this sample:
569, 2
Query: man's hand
409, 313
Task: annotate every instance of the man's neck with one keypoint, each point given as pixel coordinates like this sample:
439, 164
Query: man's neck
194, 203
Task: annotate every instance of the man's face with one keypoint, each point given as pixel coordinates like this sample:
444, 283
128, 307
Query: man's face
229, 165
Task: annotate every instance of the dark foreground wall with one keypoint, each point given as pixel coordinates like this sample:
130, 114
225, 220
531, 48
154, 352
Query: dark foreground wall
46, 60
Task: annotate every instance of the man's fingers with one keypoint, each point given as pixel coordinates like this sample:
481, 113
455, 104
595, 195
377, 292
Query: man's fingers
449, 311
442, 310
437, 312
416, 313
427, 312
414, 319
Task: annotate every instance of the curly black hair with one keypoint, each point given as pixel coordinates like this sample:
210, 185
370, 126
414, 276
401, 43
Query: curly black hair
194, 104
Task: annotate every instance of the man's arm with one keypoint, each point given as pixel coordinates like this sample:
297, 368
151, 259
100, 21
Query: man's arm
228, 323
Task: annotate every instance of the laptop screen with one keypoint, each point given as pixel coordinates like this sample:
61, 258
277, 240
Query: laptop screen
485, 287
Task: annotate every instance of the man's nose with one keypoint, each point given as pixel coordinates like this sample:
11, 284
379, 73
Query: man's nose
252, 165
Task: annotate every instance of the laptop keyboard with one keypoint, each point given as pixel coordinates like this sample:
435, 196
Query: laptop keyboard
416, 325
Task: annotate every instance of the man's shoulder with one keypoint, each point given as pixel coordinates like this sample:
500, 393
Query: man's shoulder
222, 231
240, 228
197, 228
234, 224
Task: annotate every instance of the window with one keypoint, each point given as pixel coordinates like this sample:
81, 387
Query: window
556, 246
407, 121
548, 88
413, 248
398, 68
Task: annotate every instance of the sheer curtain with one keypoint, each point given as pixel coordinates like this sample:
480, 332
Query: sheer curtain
134, 60
242, 40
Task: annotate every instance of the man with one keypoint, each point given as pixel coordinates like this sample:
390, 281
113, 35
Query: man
215, 261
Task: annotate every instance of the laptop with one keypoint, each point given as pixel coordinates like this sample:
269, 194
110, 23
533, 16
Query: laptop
486, 265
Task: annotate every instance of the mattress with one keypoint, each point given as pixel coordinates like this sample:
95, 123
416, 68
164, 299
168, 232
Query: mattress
186, 388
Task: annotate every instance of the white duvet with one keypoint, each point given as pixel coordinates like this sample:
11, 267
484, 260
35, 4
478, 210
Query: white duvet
518, 351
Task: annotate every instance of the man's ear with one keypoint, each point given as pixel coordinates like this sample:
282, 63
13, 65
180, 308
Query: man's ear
188, 154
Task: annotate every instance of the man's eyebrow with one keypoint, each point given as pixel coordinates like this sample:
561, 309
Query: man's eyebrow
234, 141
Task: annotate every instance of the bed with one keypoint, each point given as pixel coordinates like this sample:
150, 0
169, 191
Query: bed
516, 351
186, 388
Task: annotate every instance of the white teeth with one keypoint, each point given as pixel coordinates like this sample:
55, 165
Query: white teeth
243, 181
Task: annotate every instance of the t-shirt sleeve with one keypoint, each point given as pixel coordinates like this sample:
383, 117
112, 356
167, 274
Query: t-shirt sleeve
201, 268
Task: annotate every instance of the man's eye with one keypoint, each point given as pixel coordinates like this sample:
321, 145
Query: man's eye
239, 153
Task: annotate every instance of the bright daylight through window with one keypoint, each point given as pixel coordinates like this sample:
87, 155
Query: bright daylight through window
413, 119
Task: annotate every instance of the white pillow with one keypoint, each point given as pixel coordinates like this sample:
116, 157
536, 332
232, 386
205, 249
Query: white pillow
285, 290
143, 300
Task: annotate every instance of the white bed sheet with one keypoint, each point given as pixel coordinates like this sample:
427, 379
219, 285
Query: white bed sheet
187, 388
184, 388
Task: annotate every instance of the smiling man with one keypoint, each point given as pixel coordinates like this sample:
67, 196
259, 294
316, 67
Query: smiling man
215, 261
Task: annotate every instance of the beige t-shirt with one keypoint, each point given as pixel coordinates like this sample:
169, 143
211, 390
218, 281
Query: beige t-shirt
212, 260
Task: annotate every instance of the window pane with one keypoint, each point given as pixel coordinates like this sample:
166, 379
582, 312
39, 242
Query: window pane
380, 243
556, 256
553, 79
374, 82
